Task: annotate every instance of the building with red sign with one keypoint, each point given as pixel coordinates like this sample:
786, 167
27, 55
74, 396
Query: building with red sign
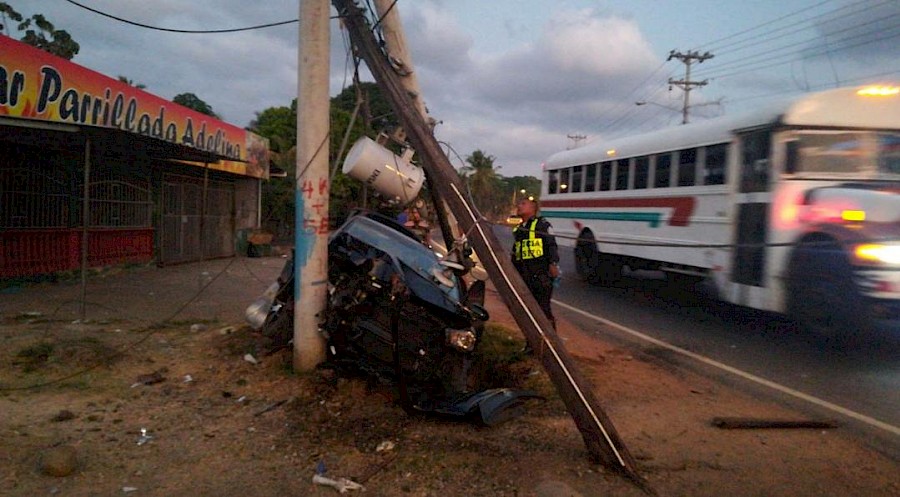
96, 172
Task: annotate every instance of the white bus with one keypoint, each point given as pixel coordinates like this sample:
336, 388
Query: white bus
792, 208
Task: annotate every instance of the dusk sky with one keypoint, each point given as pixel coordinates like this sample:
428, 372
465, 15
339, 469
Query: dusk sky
513, 78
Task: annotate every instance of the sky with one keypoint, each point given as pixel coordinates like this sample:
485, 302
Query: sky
517, 79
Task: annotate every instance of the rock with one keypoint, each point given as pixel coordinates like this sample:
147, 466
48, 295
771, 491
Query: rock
63, 415
59, 461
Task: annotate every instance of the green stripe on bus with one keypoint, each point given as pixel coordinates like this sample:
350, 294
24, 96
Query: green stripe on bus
652, 218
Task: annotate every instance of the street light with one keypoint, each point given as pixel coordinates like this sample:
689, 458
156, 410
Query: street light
644, 102
516, 193
673, 109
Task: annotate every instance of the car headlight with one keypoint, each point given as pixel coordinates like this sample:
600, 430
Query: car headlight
878, 253
463, 340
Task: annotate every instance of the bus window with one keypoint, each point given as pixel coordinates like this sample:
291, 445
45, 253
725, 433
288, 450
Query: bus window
622, 174
564, 181
663, 171
641, 172
553, 182
755, 162
687, 167
714, 167
605, 176
590, 177
576, 179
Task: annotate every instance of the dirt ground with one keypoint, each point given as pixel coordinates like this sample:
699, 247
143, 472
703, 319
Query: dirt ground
177, 409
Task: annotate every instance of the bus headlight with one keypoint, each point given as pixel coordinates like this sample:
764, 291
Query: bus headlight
878, 253
463, 340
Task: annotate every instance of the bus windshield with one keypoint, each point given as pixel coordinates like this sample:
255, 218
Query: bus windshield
855, 152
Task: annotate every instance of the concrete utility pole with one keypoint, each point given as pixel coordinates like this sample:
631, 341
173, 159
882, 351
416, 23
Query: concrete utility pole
686, 84
398, 53
596, 429
312, 188
401, 62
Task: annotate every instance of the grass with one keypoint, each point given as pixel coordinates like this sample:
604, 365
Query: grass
499, 358
34, 356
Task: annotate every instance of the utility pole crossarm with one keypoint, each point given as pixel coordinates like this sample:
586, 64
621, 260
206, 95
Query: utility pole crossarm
686, 84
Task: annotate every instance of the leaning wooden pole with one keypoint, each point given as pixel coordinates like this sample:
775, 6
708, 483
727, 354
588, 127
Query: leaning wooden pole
600, 437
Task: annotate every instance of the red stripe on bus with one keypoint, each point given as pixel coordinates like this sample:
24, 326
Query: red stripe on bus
682, 207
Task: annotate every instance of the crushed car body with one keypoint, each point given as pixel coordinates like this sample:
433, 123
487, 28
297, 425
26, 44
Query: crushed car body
398, 312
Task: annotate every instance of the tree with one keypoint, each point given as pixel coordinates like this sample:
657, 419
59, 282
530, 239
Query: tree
279, 125
46, 37
194, 102
484, 184
377, 109
129, 82
513, 187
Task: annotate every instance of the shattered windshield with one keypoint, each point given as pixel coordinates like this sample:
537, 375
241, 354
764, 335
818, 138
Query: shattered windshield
412, 254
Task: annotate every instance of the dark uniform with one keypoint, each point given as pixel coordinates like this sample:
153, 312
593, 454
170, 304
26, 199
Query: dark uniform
534, 251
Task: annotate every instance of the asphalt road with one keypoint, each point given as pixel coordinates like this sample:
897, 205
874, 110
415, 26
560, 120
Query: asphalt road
758, 351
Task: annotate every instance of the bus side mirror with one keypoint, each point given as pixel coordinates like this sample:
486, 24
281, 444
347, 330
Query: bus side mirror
791, 157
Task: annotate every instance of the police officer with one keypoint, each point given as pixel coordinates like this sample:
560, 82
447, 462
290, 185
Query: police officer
535, 255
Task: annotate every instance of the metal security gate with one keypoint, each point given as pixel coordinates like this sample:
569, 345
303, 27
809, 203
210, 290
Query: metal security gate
41, 228
189, 231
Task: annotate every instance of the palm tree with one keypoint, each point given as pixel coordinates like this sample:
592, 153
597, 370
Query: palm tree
139, 86
484, 183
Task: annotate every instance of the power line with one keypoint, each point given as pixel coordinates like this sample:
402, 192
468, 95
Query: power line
184, 31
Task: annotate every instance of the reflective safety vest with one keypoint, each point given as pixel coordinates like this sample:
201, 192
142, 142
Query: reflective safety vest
530, 248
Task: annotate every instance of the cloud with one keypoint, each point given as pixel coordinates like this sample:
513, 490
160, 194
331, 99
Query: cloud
520, 104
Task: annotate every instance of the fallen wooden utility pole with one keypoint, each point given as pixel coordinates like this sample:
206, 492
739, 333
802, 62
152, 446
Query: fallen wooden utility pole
596, 429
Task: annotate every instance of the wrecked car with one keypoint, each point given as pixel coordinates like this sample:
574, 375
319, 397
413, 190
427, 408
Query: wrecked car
400, 313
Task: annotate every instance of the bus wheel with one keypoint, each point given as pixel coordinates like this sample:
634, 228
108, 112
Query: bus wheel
587, 258
822, 295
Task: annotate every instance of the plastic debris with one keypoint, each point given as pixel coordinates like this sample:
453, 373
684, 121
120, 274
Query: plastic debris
198, 327
320, 467
241, 399
149, 379
188, 378
249, 358
128, 490
385, 446
144, 438
342, 485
